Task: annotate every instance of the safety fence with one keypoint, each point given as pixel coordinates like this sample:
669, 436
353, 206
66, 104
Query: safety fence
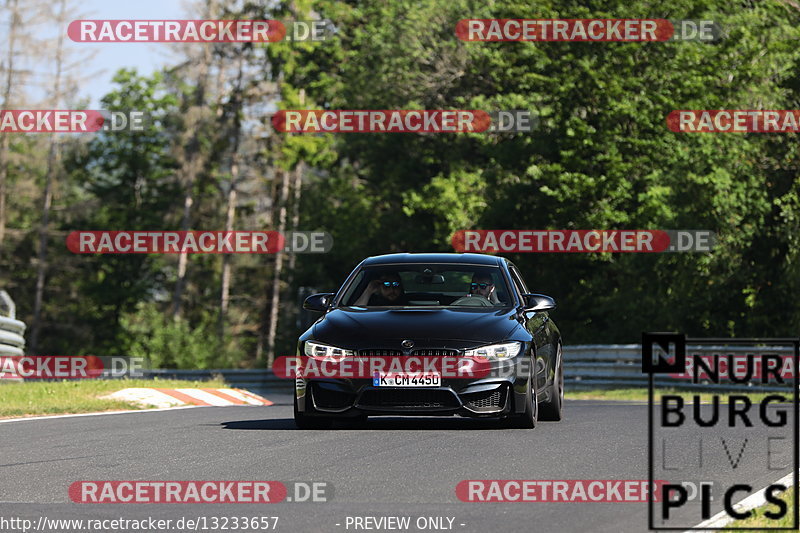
615, 366
586, 367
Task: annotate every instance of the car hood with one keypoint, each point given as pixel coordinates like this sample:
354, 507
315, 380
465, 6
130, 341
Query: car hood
452, 328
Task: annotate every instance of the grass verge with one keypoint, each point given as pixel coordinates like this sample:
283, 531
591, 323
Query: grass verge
31, 398
758, 520
640, 395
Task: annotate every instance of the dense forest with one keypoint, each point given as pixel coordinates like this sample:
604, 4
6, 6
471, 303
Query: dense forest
601, 156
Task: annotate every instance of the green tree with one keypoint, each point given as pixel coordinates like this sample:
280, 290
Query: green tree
127, 179
601, 158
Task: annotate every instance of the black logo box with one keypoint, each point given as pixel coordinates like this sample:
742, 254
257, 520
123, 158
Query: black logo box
678, 365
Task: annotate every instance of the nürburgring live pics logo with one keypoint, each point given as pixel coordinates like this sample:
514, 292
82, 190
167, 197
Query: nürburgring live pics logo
743, 443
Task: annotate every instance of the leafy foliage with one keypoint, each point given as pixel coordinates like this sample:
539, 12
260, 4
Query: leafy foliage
167, 343
601, 157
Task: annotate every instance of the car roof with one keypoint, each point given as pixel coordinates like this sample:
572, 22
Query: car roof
470, 259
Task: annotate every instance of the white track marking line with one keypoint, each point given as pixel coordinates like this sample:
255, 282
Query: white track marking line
7, 420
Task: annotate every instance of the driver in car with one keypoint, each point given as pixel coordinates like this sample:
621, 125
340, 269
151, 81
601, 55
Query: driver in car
386, 290
482, 285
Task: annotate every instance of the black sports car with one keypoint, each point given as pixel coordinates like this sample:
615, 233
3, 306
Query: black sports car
424, 309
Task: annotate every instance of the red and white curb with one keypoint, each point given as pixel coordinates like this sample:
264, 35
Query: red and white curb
178, 397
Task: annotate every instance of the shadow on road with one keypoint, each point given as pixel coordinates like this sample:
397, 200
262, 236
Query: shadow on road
271, 423
378, 424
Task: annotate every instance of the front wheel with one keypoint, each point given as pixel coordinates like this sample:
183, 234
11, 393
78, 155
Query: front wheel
527, 419
304, 421
552, 409
356, 422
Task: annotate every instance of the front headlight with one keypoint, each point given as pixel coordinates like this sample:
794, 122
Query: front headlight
505, 350
318, 350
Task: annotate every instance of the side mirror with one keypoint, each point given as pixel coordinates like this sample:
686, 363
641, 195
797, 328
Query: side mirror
538, 302
318, 302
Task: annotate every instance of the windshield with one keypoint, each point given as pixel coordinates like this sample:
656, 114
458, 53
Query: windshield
426, 285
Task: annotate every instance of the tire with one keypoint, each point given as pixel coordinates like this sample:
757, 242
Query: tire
356, 422
304, 421
552, 409
527, 419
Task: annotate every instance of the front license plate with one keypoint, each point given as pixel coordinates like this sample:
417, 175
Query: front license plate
406, 380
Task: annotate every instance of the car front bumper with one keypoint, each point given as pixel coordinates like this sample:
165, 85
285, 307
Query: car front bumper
492, 396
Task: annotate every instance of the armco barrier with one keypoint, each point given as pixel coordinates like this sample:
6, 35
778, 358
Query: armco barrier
614, 366
254, 380
12, 330
586, 367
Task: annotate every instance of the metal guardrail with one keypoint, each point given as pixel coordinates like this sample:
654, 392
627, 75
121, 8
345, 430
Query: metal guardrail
254, 380
586, 367
12, 341
607, 366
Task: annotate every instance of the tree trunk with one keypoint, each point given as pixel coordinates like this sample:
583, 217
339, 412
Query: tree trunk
177, 295
226, 258
276, 275
297, 185
297, 190
230, 216
5, 139
193, 165
52, 160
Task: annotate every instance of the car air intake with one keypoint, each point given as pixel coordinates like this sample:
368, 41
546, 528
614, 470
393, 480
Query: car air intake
408, 399
491, 400
332, 399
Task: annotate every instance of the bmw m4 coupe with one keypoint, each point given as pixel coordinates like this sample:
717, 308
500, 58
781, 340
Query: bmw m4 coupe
430, 335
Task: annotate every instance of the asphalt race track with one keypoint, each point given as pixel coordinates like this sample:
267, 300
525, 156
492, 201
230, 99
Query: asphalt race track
389, 467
